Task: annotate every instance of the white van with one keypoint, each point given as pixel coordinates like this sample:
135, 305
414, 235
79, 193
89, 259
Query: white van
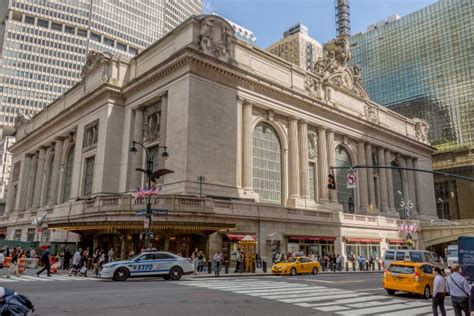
409, 255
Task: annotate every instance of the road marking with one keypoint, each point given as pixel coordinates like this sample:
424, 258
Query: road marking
350, 281
374, 289
347, 301
19, 279
346, 294
377, 310
289, 291
320, 281
374, 303
325, 292
333, 308
35, 278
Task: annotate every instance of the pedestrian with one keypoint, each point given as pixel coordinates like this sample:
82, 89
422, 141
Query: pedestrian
95, 262
67, 258
83, 264
242, 261
439, 290
217, 259
13, 264
111, 255
338, 262
237, 261
459, 289
76, 261
45, 259
194, 258
201, 261
2, 258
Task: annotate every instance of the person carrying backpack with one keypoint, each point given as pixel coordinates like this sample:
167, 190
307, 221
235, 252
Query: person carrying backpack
45, 259
14, 304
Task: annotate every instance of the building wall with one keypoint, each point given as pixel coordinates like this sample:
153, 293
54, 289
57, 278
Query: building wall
419, 66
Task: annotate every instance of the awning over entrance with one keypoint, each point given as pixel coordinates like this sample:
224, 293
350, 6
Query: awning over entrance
396, 241
138, 226
357, 239
238, 237
319, 238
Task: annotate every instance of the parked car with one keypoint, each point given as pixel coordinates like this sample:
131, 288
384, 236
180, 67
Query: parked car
411, 277
410, 255
296, 265
164, 264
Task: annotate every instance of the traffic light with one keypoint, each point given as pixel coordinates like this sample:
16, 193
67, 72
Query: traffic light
331, 182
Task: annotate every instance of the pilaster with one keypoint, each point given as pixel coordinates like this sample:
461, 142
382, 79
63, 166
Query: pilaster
323, 165
384, 207
58, 154
39, 178
331, 162
303, 147
391, 197
293, 160
362, 185
247, 145
411, 194
23, 187
370, 175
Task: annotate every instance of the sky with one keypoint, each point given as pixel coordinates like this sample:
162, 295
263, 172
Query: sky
268, 19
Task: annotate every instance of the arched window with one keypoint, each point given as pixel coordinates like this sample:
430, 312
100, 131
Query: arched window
345, 196
267, 164
68, 174
397, 185
50, 179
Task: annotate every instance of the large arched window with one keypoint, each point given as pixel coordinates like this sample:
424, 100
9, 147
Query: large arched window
68, 174
50, 179
267, 164
397, 185
345, 196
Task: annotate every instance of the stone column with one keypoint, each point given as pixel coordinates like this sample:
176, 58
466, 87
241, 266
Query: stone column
238, 164
293, 158
304, 168
418, 187
384, 207
370, 175
247, 147
62, 170
323, 165
411, 194
23, 190
331, 162
31, 181
58, 154
391, 197
137, 160
39, 178
362, 185
404, 179
46, 174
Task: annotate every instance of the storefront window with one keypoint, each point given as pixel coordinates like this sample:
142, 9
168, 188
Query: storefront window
317, 247
364, 249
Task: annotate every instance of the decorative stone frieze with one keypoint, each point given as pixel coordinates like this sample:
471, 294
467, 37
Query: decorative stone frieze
151, 123
421, 130
215, 37
371, 113
313, 87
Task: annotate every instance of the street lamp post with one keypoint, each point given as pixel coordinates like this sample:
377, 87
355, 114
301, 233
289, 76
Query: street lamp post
407, 206
150, 176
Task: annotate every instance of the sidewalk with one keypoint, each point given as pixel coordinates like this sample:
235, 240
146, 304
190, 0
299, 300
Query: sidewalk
268, 273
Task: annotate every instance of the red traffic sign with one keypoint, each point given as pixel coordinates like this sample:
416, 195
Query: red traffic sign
351, 179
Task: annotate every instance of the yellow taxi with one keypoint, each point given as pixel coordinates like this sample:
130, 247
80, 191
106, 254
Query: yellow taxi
296, 265
411, 277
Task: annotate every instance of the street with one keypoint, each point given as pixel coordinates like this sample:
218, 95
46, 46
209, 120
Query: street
324, 294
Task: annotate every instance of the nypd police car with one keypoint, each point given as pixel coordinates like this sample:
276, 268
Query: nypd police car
164, 264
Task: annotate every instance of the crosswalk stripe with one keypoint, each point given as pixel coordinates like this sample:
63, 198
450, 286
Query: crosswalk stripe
375, 303
20, 279
35, 278
242, 287
373, 310
416, 311
333, 308
358, 299
302, 295
7, 280
282, 291
321, 298
320, 281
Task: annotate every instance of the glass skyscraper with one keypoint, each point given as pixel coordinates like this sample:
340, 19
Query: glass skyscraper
422, 65
44, 43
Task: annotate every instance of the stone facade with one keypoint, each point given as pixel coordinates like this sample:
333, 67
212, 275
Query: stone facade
237, 115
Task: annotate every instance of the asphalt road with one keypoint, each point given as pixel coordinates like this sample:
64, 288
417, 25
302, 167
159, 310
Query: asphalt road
324, 294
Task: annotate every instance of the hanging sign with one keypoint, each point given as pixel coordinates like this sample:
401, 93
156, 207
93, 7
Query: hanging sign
146, 223
351, 180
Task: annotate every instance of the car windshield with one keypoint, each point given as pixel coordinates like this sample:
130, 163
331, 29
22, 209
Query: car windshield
401, 269
291, 260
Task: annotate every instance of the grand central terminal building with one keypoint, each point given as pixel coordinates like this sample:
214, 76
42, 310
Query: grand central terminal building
251, 140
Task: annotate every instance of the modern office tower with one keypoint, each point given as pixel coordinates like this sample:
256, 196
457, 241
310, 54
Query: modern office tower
44, 44
298, 47
6, 140
421, 65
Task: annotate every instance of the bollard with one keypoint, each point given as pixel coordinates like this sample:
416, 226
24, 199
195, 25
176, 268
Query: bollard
226, 267
264, 267
253, 267
347, 266
209, 267
353, 266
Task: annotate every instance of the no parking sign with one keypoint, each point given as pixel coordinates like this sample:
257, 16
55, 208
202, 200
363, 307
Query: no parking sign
351, 179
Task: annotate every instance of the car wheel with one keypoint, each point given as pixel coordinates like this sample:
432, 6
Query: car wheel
175, 273
315, 271
391, 292
426, 293
121, 274
293, 272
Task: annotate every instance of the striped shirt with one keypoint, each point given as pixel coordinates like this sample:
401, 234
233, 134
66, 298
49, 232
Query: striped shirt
457, 285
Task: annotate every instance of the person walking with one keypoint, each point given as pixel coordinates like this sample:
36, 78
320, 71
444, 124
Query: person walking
338, 262
217, 259
76, 261
45, 259
67, 258
459, 289
194, 258
14, 264
439, 289
237, 261
111, 255
201, 261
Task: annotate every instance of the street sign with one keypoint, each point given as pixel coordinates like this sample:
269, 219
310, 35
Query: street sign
140, 213
351, 179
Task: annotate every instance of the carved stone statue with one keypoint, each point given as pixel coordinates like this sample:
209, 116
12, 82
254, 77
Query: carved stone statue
151, 123
215, 37
312, 145
312, 87
93, 60
371, 113
421, 130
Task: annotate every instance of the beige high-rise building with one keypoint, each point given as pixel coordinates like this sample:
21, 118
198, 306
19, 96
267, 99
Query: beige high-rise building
298, 47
